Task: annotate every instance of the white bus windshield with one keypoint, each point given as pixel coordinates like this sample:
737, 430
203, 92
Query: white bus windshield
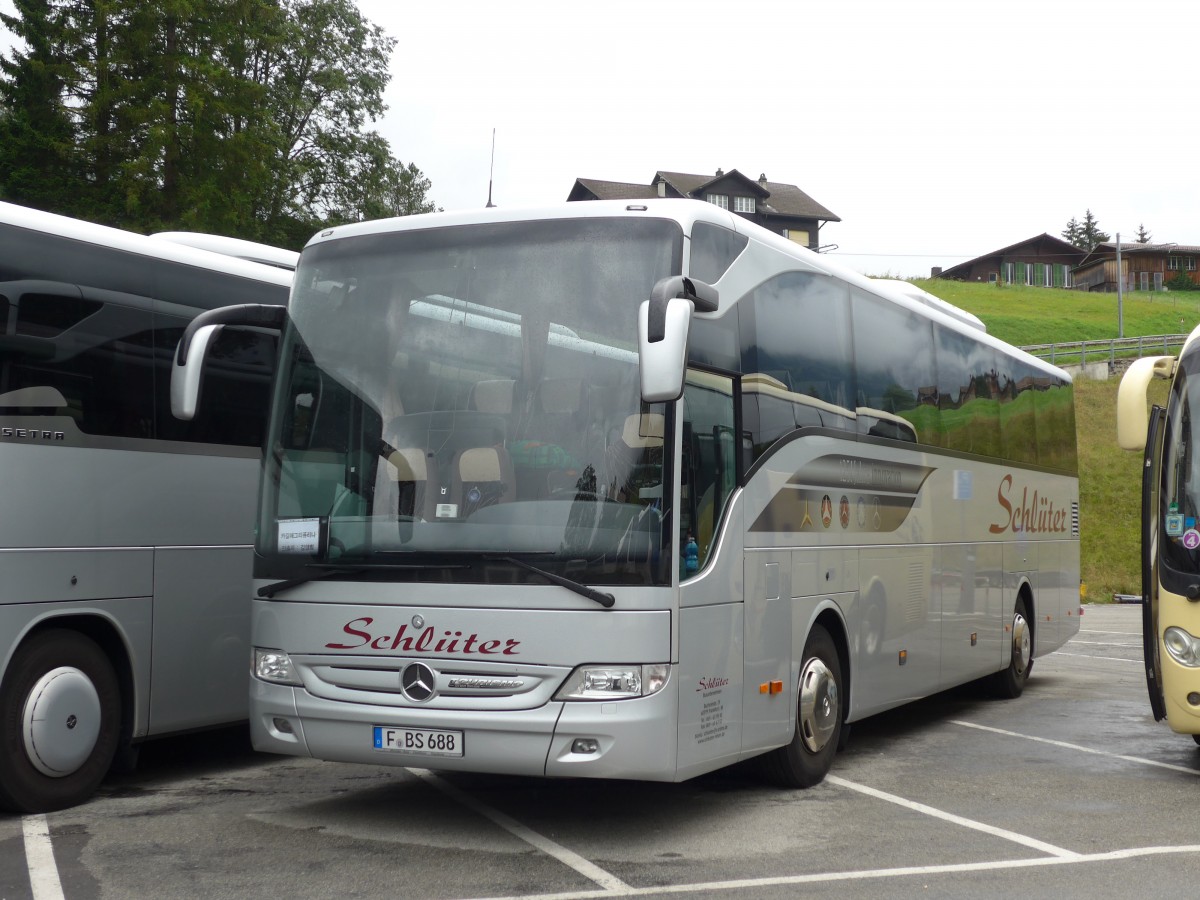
471, 389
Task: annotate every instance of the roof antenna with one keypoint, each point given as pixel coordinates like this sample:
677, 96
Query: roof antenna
491, 170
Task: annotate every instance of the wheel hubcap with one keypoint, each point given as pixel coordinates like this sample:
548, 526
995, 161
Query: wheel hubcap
818, 705
1022, 646
61, 722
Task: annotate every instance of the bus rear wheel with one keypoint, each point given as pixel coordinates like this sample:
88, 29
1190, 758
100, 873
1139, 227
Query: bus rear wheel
1009, 683
806, 759
60, 722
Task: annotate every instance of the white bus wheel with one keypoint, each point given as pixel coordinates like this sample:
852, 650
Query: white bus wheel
60, 722
806, 759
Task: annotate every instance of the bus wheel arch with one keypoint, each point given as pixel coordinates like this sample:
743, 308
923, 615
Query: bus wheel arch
63, 715
821, 696
1010, 681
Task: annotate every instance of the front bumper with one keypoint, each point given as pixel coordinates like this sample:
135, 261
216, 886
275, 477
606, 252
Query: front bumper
636, 738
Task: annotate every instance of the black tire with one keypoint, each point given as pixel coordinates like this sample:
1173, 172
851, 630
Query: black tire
806, 759
60, 722
1009, 683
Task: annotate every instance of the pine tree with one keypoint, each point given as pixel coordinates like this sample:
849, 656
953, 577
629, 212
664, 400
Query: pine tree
1091, 234
1072, 233
37, 165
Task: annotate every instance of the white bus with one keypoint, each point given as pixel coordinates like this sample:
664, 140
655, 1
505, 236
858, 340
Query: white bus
637, 491
1170, 518
125, 535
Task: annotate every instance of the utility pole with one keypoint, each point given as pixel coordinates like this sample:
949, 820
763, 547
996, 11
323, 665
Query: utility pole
1120, 292
491, 170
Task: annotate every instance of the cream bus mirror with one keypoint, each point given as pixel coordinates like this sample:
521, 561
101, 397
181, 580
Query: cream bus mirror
188, 367
1132, 414
663, 324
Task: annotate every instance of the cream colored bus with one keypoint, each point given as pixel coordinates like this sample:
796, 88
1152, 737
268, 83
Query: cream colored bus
1170, 529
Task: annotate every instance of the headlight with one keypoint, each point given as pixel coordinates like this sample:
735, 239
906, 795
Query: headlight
1183, 647
274, 666
614, 682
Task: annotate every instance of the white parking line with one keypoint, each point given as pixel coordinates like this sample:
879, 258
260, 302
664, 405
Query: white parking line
1077, 748
39, 859
864, 874
1022, 839
1122, 633
613, 886
1058, 653
1107, 643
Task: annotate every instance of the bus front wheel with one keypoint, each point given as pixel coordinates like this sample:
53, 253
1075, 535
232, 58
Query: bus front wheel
60, 722
806, 759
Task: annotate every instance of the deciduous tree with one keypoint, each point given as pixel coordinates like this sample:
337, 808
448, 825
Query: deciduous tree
242, 117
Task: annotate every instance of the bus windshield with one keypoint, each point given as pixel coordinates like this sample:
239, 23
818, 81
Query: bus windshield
471, 390
1181, 469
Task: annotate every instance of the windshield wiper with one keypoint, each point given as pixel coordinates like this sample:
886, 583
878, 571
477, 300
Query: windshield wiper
268, 591
605, 600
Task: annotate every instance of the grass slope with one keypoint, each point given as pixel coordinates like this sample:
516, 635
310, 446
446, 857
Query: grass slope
1109, 478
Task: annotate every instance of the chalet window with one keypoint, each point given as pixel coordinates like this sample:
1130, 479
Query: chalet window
721, 200
1179, 263
796, 236
743, 204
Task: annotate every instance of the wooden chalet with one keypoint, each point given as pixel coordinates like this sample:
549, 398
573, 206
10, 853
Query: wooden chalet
783, 208
1144, 267
1040, 261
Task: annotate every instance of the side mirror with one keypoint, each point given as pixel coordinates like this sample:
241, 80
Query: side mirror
663, 324
1132, 416
186, 377
188, 367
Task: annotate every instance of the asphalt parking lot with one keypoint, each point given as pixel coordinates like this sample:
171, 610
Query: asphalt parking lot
1070, 790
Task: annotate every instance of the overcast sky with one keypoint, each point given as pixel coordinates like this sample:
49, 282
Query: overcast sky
937, 130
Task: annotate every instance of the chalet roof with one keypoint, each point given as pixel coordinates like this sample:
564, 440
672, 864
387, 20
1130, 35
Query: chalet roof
616, 190
773, 197
1108, 250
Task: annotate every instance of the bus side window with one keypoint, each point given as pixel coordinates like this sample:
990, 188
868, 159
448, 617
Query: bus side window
709, 467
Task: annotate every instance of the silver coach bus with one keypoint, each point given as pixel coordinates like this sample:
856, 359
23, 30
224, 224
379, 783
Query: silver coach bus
125, 534
636, 491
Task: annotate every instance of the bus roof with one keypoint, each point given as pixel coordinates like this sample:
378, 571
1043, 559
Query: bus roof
236, 247
687, 213
131, 242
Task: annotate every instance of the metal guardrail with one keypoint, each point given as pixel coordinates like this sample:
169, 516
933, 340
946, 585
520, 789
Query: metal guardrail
1071, 352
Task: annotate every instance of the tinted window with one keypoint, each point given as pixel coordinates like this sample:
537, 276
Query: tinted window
105, 366
234, 394
897, 377
714, 342
967, 394
1018, 417
795, 331
99, 372
713, 251
1054, 409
